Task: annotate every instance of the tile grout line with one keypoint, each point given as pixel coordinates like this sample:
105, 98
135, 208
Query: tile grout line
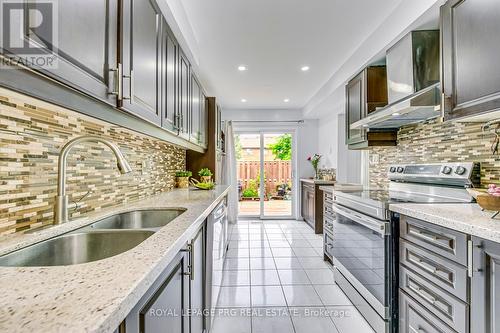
282, 290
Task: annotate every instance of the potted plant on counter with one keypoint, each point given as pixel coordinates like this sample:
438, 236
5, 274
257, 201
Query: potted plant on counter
315, 162
182, 179
205, 175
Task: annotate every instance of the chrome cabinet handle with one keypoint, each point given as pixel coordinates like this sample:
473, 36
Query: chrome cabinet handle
427, 266
117, 82
428, 236
190, 250
470, 258
428, 296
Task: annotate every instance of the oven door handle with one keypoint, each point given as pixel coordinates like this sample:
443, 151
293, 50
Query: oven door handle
378, 226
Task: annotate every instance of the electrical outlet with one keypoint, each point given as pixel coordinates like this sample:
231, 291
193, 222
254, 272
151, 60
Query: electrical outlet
374, 159
145, 166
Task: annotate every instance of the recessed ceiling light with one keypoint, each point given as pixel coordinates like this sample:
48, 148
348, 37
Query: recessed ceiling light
242, 68
396, 114
243, 100
365, 125
286, 100
304, 68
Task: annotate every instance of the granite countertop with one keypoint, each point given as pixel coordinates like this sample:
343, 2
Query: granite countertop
97, 296
328, 189
317, 181
466, 218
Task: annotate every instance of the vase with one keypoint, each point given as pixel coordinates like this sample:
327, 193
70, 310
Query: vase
182, 182
206, 179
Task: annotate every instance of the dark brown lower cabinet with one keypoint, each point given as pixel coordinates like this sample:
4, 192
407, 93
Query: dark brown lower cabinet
312, 205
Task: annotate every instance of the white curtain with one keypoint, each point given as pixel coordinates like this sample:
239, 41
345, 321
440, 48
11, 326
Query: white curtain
229, 174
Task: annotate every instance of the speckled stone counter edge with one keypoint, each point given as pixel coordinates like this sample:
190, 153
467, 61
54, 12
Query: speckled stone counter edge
465, 218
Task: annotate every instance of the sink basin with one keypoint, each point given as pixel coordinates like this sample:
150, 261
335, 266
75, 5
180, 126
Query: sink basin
76, 248
139, 219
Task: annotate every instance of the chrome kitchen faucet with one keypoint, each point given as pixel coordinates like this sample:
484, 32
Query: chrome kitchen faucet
61, 204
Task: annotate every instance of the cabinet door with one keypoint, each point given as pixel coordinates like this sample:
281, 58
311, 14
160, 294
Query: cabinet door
355, 108
304, 201
162, 307
169, 76
86, 45
470, 49
141, 43
184, 95
204, 121
197, 290
218, 126
485, 284
195, 135
311, 201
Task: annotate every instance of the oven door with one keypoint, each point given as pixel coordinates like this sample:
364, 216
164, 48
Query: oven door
361, 252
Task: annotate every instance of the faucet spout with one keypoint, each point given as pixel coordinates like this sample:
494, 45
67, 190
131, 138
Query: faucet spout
61, 204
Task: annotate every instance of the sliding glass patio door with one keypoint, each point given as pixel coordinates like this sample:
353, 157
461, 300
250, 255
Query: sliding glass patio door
265, 174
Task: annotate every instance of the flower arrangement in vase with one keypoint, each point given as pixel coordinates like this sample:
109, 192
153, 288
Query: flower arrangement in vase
315, 163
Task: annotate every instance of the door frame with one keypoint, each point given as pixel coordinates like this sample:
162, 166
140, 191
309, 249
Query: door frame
295, 183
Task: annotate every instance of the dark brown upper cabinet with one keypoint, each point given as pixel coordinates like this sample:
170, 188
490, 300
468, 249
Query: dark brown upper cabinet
86, 46
170, 51
470, 53
141, 36
184, 96
364, 94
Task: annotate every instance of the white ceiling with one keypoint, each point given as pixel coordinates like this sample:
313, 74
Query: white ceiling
274, 38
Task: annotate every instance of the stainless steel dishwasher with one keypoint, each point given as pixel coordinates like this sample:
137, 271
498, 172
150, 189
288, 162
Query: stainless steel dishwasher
217, 238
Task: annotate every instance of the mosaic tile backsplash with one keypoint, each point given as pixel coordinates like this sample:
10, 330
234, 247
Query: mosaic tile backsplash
434, 142
32, 133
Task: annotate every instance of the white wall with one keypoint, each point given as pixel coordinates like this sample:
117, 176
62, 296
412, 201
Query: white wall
328, 140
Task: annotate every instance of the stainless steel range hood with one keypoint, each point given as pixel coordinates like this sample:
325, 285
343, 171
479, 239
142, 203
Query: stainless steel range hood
413, 83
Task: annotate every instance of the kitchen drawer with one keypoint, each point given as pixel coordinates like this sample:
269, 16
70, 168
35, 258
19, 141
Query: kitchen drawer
413, 318
328, 210
327, 198
449, 309
328, 223
328, 244
448, 243
445, 273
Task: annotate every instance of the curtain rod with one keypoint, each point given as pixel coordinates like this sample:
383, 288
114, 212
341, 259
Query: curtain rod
267, 121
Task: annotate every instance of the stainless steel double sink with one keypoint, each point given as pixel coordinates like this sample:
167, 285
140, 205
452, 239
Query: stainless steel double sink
103, 239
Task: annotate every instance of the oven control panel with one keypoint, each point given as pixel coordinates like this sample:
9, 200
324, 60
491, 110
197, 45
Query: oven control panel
441, 173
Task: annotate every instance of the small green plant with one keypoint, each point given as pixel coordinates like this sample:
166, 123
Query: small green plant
250, 193
205, 172
183, 174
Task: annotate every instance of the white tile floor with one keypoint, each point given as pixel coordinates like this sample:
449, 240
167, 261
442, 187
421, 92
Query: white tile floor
275, 280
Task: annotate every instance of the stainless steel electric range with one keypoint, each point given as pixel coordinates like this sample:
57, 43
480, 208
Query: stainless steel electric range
363, 238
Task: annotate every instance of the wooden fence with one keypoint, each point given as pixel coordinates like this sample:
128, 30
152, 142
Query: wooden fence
276, 173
